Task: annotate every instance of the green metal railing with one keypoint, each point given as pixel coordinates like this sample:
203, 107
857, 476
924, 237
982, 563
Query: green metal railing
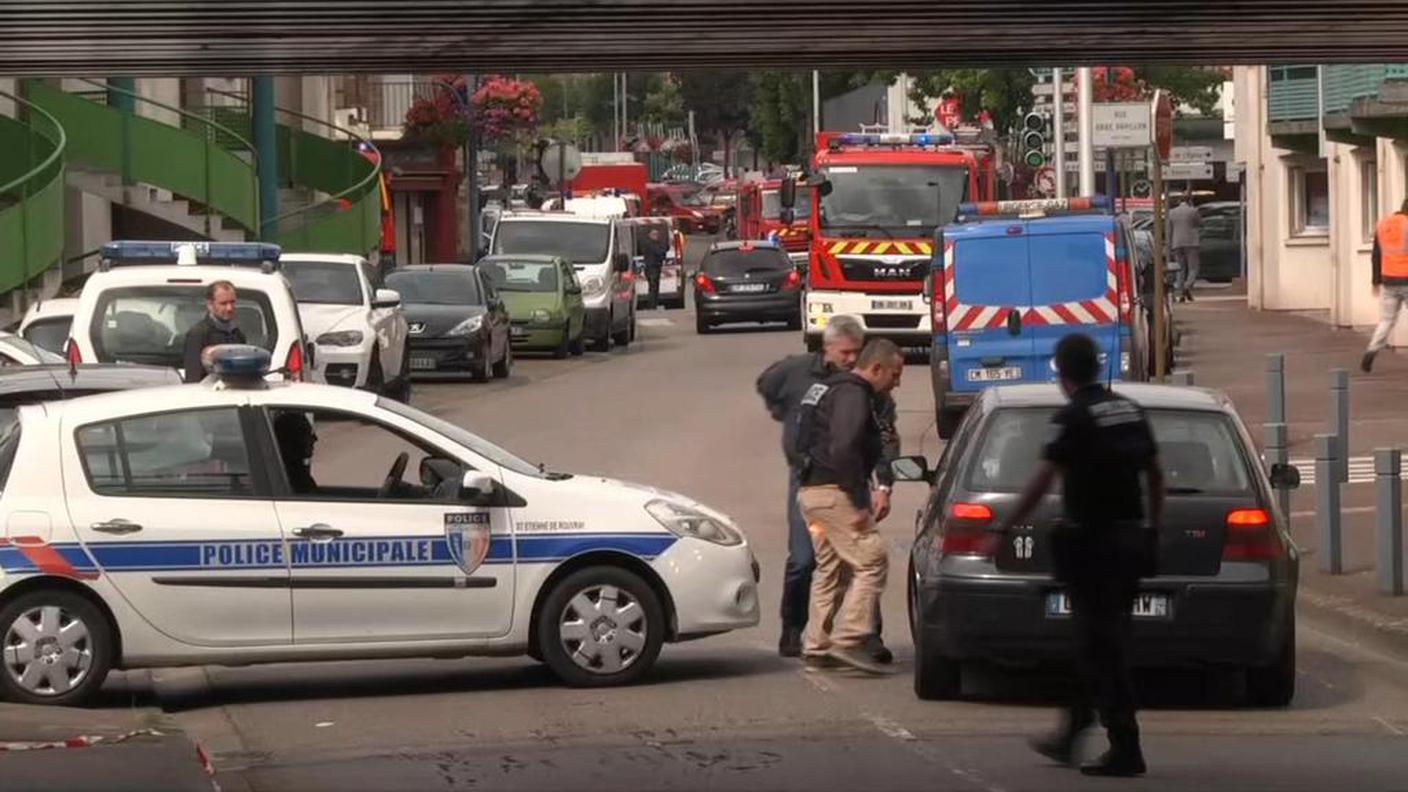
31, 192
348, 220
1344, 83
1292, 93
192, 161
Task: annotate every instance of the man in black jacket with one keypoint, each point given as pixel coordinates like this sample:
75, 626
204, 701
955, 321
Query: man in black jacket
839, 445
782, 387
655, 248
218, 327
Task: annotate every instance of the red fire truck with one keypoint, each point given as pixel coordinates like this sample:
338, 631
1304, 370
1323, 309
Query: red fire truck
877, 201
760, 216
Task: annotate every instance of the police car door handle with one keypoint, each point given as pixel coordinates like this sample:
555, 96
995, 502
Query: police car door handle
117, 526
317, 531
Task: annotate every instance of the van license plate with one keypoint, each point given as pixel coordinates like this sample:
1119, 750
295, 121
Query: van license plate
892, 305
995, 374
1146, 606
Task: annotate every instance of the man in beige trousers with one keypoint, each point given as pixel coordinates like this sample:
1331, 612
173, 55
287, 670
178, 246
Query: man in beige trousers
840, 442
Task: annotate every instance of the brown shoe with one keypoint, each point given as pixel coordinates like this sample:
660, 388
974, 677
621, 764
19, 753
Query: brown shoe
856, 657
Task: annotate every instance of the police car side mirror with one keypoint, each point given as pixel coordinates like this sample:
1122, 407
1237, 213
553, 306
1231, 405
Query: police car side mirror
911, 468
1284, 477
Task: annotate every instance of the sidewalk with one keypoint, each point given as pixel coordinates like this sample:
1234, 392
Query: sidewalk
1225, 345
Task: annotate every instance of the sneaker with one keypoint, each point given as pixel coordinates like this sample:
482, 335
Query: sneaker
1366, 363
878, 651
856, 657
790, 644
1120, 765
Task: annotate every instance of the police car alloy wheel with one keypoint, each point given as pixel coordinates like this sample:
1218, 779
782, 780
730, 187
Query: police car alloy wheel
600, 626
57, 648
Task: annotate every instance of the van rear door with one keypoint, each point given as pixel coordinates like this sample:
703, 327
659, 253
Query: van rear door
1074, 289
987, 280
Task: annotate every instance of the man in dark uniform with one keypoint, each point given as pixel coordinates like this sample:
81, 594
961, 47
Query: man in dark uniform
218, 327
1101, 444
782, 387
655, 249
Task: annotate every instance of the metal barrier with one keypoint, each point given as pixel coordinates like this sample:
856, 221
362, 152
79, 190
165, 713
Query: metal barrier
1339, 421
1327, 505
1278, 453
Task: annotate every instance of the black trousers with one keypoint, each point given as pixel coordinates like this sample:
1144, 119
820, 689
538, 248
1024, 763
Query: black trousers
652, 278
1100, 611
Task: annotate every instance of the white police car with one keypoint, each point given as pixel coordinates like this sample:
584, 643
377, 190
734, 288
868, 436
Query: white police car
208, 524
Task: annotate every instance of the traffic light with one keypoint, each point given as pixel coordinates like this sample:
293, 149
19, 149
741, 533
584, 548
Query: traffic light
1034, 134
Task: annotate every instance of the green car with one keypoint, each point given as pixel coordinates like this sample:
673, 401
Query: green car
544, 302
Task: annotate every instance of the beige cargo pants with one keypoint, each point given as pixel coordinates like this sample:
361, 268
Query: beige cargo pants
841, 547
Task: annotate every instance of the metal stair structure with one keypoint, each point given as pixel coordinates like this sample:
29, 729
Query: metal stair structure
156, 202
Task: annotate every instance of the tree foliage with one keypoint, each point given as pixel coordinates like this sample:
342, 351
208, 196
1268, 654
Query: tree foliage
1196, 86
781, 110
1006, 94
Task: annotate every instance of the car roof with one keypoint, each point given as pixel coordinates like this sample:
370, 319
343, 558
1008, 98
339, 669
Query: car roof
551, 217
141, 401
322, 258
998, 227
448, 267
1148, 395
52, 307
88, 376
536, 258
162, 274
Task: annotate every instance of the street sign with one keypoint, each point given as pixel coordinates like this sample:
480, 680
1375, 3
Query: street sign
1163, 124
1121, 124
1187, 171
561, 162
1141, 188
1191, 154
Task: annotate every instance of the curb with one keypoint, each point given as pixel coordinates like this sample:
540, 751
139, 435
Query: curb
1355, 620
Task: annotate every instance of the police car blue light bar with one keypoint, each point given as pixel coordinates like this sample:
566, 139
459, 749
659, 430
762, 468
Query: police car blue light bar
132, 252
236, 362
1034, 206
894, 139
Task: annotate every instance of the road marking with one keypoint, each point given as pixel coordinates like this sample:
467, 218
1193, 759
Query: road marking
1350, 510
1389, 725
655, 322
889, 728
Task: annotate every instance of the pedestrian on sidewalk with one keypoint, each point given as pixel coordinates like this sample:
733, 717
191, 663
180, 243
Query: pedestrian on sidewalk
217, 327
840, 444
1390, 279
1101, 445
782, 387
1185, 241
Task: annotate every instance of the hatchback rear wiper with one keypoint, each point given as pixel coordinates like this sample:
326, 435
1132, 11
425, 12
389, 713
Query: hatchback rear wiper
1184, 490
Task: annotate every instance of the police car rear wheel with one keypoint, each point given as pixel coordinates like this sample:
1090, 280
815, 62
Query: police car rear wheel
601, 626
57, 648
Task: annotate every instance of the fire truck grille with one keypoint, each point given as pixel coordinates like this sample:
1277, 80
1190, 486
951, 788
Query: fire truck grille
862, 269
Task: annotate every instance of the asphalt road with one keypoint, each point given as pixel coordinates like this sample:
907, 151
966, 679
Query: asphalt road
679, 411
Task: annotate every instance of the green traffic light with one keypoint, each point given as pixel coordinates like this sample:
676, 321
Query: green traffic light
1035, 159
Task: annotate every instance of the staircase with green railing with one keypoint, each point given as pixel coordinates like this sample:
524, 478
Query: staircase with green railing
31, 192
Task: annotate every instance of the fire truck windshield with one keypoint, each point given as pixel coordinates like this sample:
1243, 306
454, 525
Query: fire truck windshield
892, 200
772, 204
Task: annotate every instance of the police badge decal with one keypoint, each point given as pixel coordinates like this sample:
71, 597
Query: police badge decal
467, 536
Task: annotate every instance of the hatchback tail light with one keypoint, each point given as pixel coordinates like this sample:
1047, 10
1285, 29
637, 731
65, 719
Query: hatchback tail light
1250, 536
793, 282
705, 283
293, 365
966, 532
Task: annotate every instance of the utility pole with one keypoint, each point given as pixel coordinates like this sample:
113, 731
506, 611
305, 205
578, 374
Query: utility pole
1085, 93
816, 102
471, 169
1058, 130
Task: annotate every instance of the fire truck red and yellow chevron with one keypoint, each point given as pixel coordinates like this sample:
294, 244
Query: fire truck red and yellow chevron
959, 316
879, 248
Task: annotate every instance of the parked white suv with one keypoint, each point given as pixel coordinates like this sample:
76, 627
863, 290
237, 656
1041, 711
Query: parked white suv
145, 295
359, 330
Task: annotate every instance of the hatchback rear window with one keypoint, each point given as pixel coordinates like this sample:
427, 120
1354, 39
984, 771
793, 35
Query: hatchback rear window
736, 262
148, 324
1199, 451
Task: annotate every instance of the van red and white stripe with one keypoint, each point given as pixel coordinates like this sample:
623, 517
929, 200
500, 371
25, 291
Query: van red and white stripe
1099, 310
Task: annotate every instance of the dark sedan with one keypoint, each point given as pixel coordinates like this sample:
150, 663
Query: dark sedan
1225, 591
455, 318
747, 282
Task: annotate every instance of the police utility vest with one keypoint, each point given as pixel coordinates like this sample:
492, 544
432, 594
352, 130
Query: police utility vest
812, 415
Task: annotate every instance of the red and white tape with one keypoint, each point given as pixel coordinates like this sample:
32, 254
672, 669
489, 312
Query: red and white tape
81, 741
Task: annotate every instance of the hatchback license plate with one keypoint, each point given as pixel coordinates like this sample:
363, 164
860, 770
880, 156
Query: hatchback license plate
995, 374
752, 288
1146, 606
423, 363
892, 305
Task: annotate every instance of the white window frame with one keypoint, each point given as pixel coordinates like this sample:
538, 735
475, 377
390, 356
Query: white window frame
1296, 196
1368, 197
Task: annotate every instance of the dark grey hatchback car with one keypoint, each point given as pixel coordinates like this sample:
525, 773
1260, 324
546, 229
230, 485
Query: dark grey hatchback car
1225, 591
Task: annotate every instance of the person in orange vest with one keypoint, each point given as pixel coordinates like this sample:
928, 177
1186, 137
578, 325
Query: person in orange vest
1390, 279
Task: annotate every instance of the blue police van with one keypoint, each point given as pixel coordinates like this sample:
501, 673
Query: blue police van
1011, 278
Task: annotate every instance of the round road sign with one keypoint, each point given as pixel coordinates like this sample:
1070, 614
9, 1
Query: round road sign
561, 161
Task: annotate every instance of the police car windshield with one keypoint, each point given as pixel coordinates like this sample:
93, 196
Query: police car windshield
323, 282
726, 263
473, 442
1199, 452
436, 287
772, 204
579, 243
892, 200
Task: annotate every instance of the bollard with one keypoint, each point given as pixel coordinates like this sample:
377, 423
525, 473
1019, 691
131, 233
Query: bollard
1339, 421
1183, 377
1327, 504
1278, 453
1276, 388
1388, 481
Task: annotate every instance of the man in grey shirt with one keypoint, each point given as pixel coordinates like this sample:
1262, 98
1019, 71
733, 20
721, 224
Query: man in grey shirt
1184, 240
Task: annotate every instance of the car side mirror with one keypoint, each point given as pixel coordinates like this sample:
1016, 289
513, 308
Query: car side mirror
788, 194
476, 487
622, 263
911, 468
1284, 476
386, 298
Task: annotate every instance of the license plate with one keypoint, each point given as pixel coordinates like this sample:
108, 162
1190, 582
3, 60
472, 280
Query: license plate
1146, 606
995, 374
892, 305
752, 288
518, 332
423, 363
